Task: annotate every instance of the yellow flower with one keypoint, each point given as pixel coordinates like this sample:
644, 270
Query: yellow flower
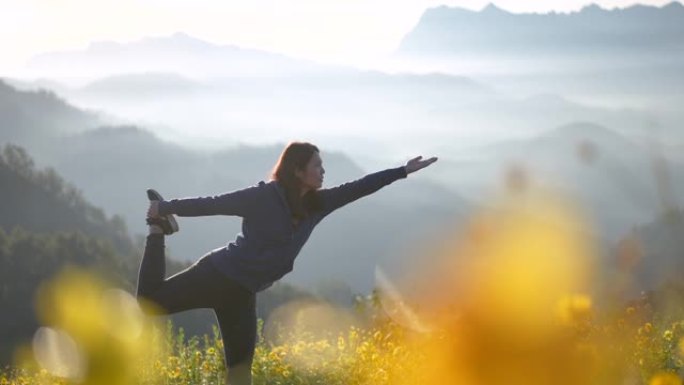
340, 343
96, 333
396, 351
574, 308
173, 361
206, 367
665, 379
668, 335
174, 373
353, 334
648, 328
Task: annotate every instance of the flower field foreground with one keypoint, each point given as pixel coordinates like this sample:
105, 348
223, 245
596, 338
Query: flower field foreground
511, 299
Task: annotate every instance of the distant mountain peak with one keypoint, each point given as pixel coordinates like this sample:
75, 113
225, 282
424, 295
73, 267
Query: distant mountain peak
595, 8
492, 8
180, 38
180, 35
102, 46
639, 28
176, 41
174, 53
591, 8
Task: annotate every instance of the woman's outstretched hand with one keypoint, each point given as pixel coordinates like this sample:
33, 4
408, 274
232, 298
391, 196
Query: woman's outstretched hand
418, 163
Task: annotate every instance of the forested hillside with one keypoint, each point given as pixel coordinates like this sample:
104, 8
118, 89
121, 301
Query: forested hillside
41, 201
45, 225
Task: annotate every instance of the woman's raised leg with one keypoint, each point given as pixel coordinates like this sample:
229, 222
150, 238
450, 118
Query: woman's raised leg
153, 265
192, 288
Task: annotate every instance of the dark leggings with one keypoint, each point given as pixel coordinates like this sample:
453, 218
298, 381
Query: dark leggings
202, 286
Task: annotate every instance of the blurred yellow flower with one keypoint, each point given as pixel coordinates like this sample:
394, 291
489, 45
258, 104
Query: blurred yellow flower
174, 372
574, 308
665, 379
95, 334
648, 328
668, 335
514, 269
340, 343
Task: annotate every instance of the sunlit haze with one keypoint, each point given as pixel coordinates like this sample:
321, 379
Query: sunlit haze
337, 31
556, 98
544, 246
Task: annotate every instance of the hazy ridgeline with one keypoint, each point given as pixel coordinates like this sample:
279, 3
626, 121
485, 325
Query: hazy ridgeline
595, 116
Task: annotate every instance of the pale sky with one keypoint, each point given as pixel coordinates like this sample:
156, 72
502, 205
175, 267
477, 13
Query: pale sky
340, 31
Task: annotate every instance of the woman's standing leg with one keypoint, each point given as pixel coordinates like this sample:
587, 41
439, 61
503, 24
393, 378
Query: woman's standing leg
201, 286
238, 324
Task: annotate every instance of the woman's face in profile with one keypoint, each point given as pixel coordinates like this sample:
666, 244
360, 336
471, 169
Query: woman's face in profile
312, 175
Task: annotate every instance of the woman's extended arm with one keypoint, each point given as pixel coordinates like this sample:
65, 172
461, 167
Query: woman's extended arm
336, 197
239, 203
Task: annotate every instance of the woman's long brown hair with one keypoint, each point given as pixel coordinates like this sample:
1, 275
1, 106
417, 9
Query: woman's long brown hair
296, 156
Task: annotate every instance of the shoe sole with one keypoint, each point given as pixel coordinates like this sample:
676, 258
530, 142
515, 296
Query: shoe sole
153, 195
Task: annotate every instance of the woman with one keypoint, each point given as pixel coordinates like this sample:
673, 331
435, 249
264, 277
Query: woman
278, 217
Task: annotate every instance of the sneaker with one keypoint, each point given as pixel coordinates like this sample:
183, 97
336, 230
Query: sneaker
166, 222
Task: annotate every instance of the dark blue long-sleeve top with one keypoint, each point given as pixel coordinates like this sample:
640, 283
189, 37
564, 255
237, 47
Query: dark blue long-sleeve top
269, 243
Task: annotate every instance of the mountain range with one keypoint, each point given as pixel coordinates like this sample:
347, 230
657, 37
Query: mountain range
627, 36
635, 30
191, 90
611, 86
179, 53
611, 175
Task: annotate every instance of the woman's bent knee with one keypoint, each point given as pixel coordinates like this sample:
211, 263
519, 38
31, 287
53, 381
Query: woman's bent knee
148, 305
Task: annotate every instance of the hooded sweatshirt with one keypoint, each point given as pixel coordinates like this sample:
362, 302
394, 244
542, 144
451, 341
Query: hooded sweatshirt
266, 248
